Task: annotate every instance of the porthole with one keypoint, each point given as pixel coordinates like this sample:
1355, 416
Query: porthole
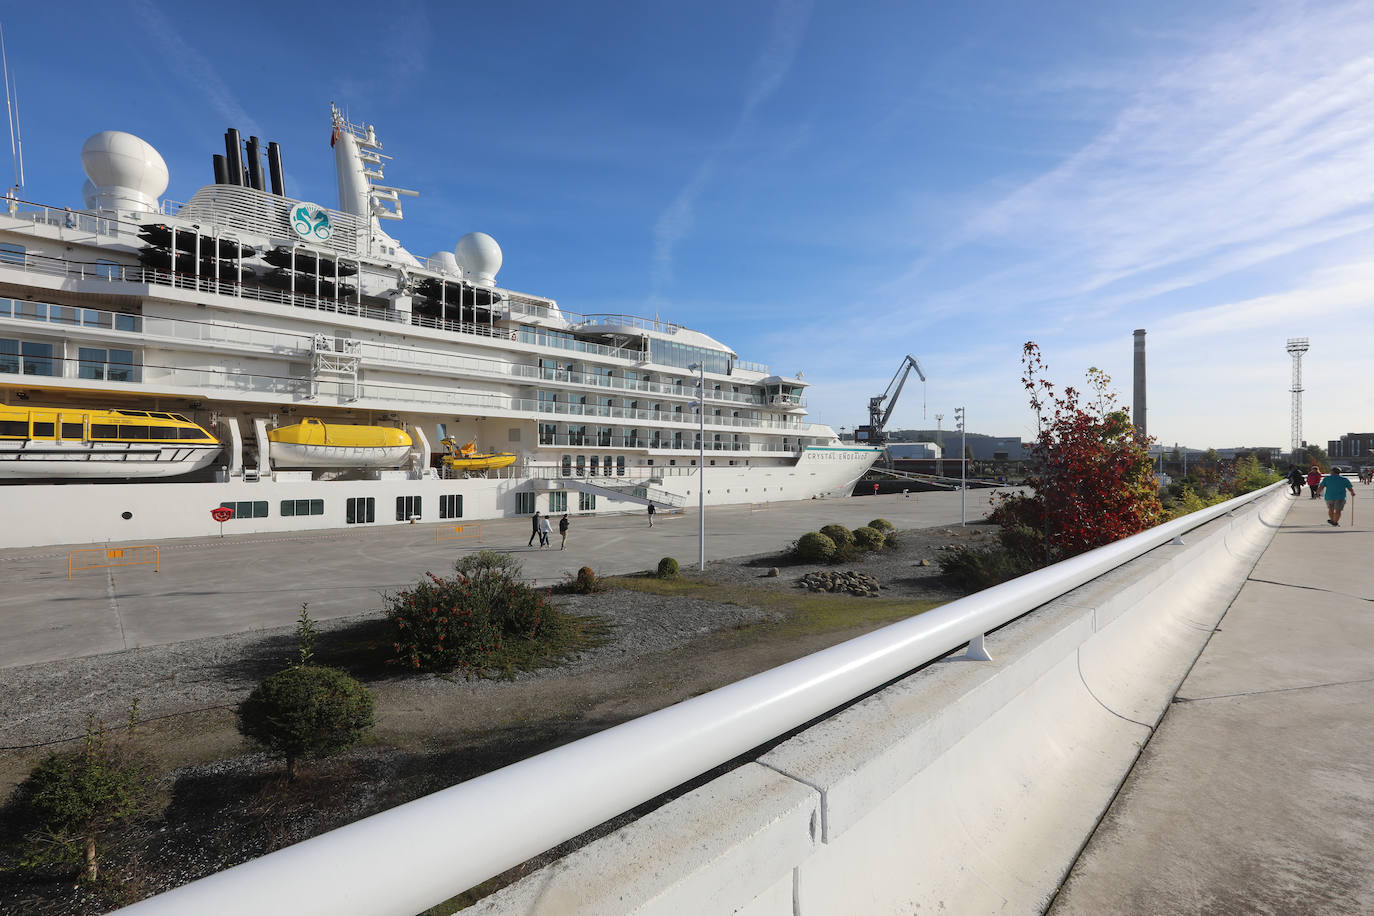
126, 515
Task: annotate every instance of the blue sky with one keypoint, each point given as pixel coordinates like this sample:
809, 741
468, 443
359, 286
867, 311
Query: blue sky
823, 186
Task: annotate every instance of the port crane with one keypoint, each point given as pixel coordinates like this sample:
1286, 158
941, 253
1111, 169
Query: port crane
875, 433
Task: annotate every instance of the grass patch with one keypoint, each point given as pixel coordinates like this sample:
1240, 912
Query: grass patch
802, 612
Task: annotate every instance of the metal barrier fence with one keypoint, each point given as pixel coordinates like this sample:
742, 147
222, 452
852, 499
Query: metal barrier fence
458, 532
109, 557
421, 853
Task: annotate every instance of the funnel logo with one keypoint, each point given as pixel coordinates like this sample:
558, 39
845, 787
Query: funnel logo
311, 222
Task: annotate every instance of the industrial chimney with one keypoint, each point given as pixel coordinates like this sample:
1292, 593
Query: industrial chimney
1138, 408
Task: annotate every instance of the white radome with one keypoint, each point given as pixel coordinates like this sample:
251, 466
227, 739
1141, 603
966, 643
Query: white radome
126, 171
480, 257
445, 263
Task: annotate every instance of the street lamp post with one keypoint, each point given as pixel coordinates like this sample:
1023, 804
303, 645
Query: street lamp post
963, 465
700, 370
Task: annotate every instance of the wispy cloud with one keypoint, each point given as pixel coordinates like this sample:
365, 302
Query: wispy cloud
770, 69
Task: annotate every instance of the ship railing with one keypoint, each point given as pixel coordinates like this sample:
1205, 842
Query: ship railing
561, 408
556, 472
67, 218
749, 366
688, 446
629, 321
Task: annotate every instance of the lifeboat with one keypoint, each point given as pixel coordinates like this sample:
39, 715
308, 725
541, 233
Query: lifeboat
73, 442
161, 259
160, 235
313, 443
454, 293
306, 283
466, 457
308, 262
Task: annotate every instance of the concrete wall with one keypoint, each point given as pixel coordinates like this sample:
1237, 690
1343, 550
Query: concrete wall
966, 787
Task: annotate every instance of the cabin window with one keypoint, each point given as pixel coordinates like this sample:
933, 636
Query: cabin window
9, 356
606, 466
104, 431
567, 465
72, 431
107, 269
184, 432
596, 465
128, 323
11, 253
586, 502
548, 432
162, 432
451, 505
360, 510
129, 431
14, 429
248, 509
299, 507
26, 357
524, 503
620, 465
93, 362
406, 506
558, 501
581, 465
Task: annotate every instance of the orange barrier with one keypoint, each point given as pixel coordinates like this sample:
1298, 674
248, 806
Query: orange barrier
458, 532
109, 557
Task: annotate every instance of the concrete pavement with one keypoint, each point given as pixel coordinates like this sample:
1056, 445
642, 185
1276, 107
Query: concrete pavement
1256, 792
214, 586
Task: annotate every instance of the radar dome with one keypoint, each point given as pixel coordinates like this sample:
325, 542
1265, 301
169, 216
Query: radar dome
88, 194
480, 257
127, 172
445, 263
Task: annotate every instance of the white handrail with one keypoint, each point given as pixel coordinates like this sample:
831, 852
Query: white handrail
419, 854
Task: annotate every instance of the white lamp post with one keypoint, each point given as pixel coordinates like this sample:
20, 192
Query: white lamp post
963, 464
700, 370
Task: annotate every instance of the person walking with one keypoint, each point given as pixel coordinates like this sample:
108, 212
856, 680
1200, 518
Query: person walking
545, 529
534, 529
1334, 487
1295, 479
563, 531
1314, 479
651, 515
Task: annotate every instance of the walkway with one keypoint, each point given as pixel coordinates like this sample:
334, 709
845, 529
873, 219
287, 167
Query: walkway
1256, 792
213, 586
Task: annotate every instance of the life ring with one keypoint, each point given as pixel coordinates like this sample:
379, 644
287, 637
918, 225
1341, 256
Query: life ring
512, 335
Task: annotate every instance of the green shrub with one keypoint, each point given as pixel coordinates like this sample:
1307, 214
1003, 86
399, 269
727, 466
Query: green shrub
868, 538
975, 569
839, 534
882, 524
459, 622
584, 583
489, 563
667, 568
814, 547
69, 801
306, 711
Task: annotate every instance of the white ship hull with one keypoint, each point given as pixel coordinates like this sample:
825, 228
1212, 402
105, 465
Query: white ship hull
101, 460
294, 455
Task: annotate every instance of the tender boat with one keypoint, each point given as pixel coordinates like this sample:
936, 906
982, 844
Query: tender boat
466, 457
48, 442
313, 443
160, 235
307, 262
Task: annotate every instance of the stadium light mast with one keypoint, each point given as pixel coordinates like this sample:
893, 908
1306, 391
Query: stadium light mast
1297, 346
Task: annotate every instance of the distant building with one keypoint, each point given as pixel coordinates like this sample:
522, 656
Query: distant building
901, 451
992, 448
1352, 445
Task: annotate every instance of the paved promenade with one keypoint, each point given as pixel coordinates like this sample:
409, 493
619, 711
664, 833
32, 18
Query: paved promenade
1256, 793
213, 586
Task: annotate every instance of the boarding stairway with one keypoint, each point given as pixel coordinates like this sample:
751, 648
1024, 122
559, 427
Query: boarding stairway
628, 491
944, 483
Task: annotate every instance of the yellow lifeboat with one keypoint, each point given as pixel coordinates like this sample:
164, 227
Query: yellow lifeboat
313, 443
467, 458
76, 442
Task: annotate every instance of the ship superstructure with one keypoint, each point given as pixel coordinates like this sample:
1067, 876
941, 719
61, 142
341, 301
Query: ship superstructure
245, 311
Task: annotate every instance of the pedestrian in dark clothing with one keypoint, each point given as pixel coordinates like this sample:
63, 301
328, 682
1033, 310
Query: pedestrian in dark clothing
563, 531
1295, 479
1314, 479
534, 529
651, 515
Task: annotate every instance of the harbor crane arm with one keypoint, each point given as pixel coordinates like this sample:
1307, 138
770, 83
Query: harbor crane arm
877, 416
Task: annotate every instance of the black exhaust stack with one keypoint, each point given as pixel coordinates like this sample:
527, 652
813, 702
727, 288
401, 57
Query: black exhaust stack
233, 154
274, 169
255, 163
221, 170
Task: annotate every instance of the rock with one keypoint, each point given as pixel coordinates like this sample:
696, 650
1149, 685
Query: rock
923, 563
772, 572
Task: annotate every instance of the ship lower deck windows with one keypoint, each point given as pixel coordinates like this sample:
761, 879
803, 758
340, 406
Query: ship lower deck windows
26, 357
558, 501
107, 365
407, 507
248, 508
451, 505
360, 510
298, 507
586, 502
524, 503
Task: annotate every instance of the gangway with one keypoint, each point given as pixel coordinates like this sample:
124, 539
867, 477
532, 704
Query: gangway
628, 491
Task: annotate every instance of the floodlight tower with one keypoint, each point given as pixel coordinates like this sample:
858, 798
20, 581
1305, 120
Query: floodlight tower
1297, 346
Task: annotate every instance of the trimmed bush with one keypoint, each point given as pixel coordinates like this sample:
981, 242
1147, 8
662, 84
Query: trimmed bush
882, 524
68, 801
868, 538
814, 547
841, 535
667, 568
306, 711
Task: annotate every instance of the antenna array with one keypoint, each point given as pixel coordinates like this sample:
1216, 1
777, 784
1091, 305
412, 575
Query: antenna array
1297, 346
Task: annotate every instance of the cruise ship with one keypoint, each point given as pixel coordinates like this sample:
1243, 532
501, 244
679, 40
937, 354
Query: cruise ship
297, 366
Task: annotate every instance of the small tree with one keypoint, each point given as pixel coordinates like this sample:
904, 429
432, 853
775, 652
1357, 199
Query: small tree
306, 711
814, 546
69, 801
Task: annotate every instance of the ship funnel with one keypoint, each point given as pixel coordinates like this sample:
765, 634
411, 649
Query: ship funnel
255, 163
221, 169
233, 155
274, 169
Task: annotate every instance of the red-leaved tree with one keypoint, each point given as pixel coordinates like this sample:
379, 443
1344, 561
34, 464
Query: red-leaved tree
1092, 480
